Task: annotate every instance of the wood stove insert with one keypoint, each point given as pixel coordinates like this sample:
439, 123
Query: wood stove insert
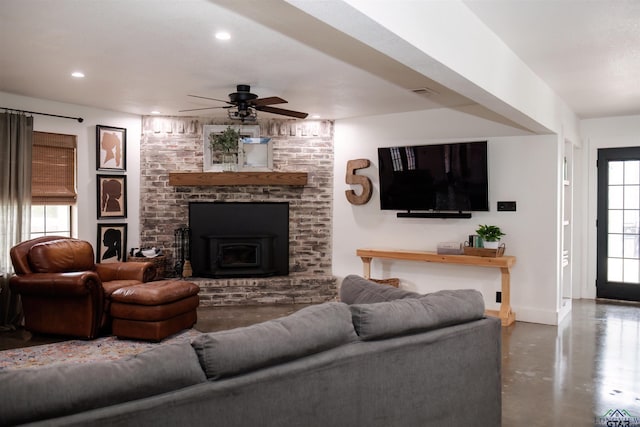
239, 239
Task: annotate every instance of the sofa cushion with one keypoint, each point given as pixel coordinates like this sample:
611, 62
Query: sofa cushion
435, 310
42, 393
310, 330
61, 256
358, 290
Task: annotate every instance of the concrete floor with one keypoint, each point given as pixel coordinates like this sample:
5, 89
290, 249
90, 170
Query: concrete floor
568, 375
211, 319
552, 376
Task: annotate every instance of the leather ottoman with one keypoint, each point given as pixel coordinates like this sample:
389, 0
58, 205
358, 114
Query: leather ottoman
154, 310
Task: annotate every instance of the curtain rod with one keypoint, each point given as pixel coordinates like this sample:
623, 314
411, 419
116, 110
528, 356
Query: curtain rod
79, 119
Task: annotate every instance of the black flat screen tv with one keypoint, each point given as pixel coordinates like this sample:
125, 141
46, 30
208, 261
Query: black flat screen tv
440, 177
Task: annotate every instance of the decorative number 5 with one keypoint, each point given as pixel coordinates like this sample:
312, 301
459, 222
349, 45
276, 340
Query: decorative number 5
352, 178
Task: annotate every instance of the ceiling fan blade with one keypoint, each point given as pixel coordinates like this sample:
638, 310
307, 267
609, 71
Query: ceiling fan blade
211, 99
200, 109
269, 101
282, 111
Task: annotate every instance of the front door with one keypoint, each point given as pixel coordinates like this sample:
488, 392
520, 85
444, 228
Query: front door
618, 235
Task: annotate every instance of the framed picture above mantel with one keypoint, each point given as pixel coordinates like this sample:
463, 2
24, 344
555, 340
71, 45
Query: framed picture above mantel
253, 153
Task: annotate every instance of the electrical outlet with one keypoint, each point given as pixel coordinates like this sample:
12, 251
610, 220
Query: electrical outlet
498, 296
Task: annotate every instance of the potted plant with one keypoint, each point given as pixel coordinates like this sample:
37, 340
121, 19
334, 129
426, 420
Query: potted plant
490, 235
227, 144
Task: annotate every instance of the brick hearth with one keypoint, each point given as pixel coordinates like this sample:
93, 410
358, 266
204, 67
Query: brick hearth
292, 289
171, 144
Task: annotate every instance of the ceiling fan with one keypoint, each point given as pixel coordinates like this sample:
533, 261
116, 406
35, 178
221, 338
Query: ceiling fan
246, 104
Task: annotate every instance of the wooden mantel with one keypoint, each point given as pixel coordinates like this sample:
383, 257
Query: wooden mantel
178, 179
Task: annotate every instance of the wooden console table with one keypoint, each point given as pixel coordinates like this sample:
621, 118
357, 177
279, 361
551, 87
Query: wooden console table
504, 263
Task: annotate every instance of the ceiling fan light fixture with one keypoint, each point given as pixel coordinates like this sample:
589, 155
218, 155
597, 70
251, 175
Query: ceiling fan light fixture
247, 104
248, 115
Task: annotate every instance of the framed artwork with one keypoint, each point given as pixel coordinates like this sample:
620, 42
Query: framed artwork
112, 196
255, 154
212, 159
112, 243
111, 148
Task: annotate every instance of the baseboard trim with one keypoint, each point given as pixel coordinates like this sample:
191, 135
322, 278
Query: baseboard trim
532, 315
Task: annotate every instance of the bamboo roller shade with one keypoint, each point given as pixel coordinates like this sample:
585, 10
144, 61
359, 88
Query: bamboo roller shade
53, 167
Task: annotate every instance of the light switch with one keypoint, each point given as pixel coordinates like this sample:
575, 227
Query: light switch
506, 206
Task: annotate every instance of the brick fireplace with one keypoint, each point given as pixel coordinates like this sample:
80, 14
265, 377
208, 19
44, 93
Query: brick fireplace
175, 144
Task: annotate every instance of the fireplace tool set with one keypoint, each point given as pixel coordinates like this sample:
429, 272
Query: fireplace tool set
182, 257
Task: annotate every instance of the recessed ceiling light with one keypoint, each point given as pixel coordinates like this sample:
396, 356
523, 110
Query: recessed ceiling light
155, 112
223, 35
77, 74
315, 116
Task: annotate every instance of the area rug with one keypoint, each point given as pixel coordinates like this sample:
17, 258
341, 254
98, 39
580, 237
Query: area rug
81, 351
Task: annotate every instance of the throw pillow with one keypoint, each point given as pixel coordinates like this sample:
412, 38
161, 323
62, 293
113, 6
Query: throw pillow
310, 330
358, 290
436, 310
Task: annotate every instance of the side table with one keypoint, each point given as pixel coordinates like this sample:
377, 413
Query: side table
159, 261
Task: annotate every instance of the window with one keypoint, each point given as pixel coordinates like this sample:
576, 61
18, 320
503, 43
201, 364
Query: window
50, 220
53, 184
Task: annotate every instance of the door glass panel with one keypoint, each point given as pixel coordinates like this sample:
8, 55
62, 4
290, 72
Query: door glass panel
615, 246
616, 221
616, 173
616, 199
631, 196
630, 274
630, 246
631, 221
614, 269
631, 172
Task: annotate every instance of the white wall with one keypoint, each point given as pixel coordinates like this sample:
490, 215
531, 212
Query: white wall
600, 133
522, 168
86, 139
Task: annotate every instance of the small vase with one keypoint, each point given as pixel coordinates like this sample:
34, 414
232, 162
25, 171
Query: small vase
229, 162
491, 245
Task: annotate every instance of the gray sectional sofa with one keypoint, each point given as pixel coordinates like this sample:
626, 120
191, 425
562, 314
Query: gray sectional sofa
380, 357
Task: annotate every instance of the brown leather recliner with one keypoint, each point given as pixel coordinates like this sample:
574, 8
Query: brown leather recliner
63, 291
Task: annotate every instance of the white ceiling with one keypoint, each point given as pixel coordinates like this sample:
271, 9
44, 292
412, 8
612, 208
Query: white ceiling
145, 55
588, 51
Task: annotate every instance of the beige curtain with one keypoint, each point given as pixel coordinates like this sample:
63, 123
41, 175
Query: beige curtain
16, 132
